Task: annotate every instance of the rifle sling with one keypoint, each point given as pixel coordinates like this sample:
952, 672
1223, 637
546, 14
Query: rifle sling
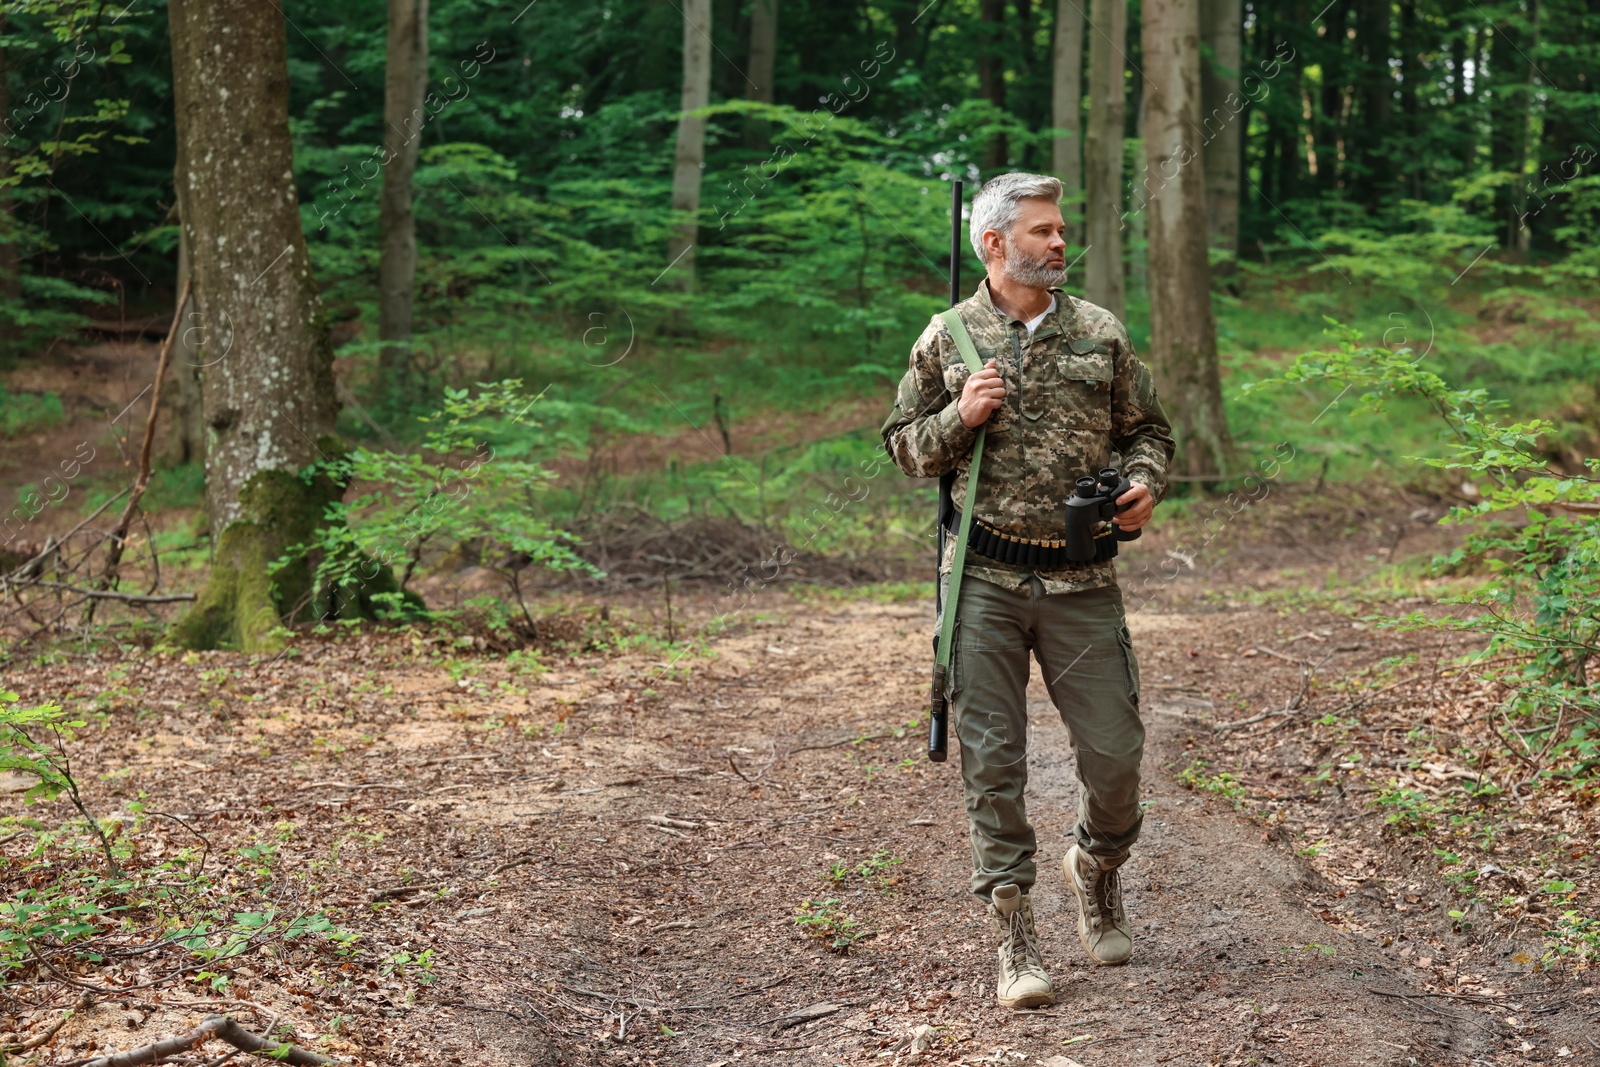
969, 353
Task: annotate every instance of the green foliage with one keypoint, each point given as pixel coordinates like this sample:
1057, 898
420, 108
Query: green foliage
416, 965
58, 53
21, 751
1224, 784
1415, 250
822, 920
1535, 534
476, 496
1573, 938
24, 412
1406, 811
876, 871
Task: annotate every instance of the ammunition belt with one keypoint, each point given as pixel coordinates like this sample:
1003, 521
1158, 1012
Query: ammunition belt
1040, 554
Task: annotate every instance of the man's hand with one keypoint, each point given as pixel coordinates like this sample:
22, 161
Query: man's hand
981, 397
1141, 505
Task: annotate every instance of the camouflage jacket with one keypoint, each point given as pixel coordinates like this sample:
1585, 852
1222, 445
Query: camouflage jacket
1077, 399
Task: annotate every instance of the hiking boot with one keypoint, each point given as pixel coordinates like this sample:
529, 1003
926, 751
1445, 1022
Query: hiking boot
1023, 981
1102, 923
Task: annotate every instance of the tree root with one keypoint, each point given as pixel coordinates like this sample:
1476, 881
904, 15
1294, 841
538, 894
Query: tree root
217, 1026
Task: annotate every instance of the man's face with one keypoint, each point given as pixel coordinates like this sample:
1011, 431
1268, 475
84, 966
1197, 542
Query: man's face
1035, 252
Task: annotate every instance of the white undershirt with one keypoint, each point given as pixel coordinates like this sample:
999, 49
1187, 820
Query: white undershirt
1033, 323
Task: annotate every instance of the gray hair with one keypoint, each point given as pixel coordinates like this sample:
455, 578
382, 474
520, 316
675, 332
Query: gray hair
996, 208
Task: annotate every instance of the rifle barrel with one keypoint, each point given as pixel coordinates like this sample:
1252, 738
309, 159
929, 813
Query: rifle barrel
955, 243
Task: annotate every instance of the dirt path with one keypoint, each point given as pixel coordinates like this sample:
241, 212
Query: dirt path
686, 924
609, 859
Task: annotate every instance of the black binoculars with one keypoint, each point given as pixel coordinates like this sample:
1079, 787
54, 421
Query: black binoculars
1093, 501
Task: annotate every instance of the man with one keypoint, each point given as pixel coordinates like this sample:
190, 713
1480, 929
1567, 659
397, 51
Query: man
1062, 395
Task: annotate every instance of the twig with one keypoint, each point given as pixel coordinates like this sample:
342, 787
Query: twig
1475, 998
1287, 659
218, 1026
85, 999
65, 768
204, 840
354, 787
110, 594
63, 539
834, 744
1224, 727
402, 890
119, 536
740, 773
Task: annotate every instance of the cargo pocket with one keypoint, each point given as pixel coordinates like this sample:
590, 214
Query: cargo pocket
1130, 662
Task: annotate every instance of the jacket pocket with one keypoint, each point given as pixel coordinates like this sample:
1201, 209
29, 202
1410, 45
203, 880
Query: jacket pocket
1084, 395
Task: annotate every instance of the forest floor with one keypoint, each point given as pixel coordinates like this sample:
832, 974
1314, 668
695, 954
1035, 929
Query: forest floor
599, 855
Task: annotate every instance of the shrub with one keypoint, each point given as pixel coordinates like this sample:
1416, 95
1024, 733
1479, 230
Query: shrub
1534, 532
485, 505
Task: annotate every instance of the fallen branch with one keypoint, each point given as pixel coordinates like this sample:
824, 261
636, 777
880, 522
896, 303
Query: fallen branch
85, 1000
820, 1010
217, 1026
519, 861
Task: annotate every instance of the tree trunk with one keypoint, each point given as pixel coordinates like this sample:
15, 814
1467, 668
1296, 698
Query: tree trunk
268, 363
1102, 157
763, 61
186, 362
1183, 334
1328, 125
405, 82
992, 76
1412, 72
1222, 26
1374, 180
691, 142
1067, 103
1136, 257
1519, 233
10, 249
1475, 49
1458, 59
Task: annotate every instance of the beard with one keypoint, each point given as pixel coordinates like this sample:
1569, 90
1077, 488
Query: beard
1030, 271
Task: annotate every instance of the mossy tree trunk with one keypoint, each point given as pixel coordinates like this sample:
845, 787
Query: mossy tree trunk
266, 357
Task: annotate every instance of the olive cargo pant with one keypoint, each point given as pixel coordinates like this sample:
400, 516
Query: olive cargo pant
1084, 650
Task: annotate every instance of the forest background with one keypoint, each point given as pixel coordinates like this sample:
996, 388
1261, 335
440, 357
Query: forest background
594, 306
